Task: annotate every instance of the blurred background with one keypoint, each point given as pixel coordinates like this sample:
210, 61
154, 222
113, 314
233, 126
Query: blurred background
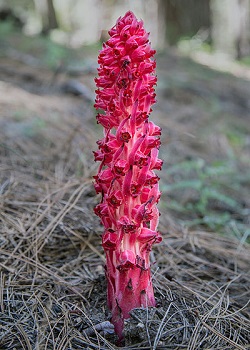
49, 52
218, 25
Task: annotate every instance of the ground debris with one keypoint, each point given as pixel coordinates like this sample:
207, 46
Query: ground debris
52, 283
180, 320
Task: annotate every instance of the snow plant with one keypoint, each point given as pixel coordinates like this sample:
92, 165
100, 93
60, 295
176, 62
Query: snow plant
128, 155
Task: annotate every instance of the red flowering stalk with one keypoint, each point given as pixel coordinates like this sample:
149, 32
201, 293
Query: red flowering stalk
129, 155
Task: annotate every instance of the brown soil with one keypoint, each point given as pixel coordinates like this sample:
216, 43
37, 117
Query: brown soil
52, 284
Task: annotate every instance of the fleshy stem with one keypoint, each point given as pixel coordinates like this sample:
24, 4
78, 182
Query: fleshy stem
128, 155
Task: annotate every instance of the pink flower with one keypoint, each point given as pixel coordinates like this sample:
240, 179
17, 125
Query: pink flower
128, 156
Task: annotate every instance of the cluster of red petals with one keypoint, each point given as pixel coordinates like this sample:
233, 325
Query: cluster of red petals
128, 156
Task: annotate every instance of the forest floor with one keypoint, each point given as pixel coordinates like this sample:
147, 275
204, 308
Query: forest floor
52, 283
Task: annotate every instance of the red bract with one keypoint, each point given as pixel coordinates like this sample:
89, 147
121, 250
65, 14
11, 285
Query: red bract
128, 154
